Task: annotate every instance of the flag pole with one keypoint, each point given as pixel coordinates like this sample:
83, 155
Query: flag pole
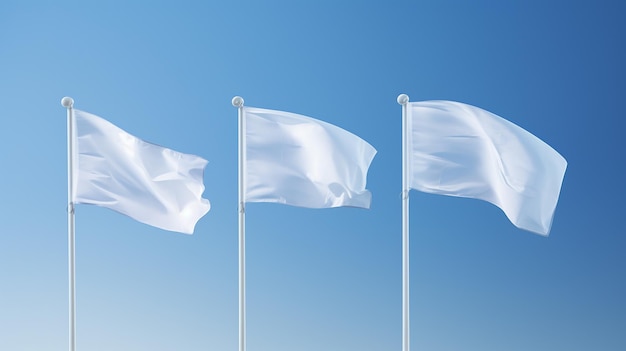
68, 103
403, 100
238, 102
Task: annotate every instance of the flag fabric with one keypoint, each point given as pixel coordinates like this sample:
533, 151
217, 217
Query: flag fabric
461, 150
301, 161
149, 183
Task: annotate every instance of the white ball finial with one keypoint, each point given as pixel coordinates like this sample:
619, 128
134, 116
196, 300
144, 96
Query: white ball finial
67, 102
403, 99
237, 101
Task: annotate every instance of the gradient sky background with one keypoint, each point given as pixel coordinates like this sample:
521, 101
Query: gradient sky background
318, 280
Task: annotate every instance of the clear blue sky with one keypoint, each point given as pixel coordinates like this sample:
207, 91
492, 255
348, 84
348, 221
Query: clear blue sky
317, 279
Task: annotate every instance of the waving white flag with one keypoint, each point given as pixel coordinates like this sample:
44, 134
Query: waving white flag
462, 150
301, 161
149, 183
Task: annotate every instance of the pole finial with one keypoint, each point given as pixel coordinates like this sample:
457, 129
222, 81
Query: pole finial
67, 102
403, 99
237, 101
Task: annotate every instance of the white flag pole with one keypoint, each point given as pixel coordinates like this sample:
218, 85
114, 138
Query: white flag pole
238, 102
403, 100
68, 103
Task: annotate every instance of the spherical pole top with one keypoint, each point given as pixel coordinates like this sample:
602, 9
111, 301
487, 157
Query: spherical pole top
67, 102
237, 101
403, 99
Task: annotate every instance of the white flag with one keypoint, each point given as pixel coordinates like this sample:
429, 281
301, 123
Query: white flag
151, 184
462, 150
301, 161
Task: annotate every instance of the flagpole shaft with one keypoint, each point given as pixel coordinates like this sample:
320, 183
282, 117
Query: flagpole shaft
68, 103
238, 102
403, 100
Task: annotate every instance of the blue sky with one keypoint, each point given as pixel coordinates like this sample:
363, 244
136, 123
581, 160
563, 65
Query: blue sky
317, 279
